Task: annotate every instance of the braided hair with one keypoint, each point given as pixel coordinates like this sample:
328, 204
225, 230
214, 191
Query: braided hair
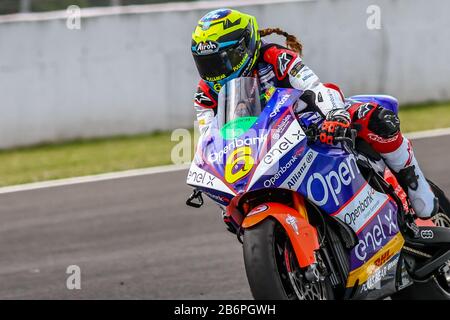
291, 41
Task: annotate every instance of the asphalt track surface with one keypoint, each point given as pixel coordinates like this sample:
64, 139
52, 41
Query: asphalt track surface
133, 238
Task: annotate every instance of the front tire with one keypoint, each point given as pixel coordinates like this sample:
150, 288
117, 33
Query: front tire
272, 269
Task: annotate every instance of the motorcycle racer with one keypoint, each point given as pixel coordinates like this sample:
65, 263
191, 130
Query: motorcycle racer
227, 44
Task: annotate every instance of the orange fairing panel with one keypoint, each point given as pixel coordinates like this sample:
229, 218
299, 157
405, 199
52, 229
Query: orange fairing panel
303, 236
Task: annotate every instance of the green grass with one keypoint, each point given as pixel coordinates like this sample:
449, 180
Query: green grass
78, 158
425, 116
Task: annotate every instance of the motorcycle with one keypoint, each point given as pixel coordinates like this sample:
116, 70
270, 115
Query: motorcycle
316, 221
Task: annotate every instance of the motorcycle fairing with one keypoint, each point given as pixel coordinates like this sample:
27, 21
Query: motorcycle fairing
202, 178
379, 230
386, 101
303, 236
275, 154
331, 179
234, 162
377, 273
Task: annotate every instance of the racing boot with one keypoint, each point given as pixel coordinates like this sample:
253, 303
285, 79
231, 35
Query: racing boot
409, 175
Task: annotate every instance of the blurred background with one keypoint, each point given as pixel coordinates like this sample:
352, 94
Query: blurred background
102, 89
15, 6
111, 80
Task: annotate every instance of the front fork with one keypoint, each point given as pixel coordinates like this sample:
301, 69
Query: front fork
294, 220
302, 235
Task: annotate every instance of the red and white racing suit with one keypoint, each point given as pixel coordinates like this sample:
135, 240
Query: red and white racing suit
281, 67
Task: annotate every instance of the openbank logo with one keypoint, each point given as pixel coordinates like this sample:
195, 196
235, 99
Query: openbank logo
271, 182
279, 104
361, 206
236, 143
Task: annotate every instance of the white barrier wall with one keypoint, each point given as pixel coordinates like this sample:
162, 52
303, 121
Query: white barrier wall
129, 70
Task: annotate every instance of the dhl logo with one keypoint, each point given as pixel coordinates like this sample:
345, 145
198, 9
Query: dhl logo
384, 258
362, 273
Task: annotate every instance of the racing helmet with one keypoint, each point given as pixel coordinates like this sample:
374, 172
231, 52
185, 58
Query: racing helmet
225, 45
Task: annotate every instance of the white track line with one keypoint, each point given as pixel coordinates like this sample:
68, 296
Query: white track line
428, 133
92, 178
161, 169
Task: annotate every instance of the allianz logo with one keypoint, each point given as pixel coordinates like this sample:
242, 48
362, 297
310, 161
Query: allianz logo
376, 236
331, 183
236, 143
300, 172
277, 107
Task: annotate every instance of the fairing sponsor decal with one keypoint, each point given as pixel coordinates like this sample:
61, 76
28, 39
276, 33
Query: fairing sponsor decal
220, 198
373, 237
258, 209
365, 204
385, 271
239, 164
272, 181
270, 162
295, 179
201, 178
333, 181
232, 146
290, 139
368, 269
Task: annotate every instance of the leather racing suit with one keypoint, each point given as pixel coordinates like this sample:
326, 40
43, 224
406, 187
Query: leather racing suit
280, 67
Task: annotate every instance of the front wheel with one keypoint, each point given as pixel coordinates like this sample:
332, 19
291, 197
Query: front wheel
272, 268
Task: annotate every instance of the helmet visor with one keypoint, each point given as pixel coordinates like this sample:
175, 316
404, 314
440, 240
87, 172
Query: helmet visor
218, 66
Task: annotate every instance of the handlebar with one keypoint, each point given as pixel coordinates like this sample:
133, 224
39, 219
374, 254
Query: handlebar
348, 140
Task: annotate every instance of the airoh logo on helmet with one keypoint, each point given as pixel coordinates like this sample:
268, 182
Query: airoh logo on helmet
207, 47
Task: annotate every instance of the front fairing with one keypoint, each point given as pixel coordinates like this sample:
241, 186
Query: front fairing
238, 165
275, 154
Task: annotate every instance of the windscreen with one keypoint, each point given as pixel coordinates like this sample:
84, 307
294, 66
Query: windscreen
239, 106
